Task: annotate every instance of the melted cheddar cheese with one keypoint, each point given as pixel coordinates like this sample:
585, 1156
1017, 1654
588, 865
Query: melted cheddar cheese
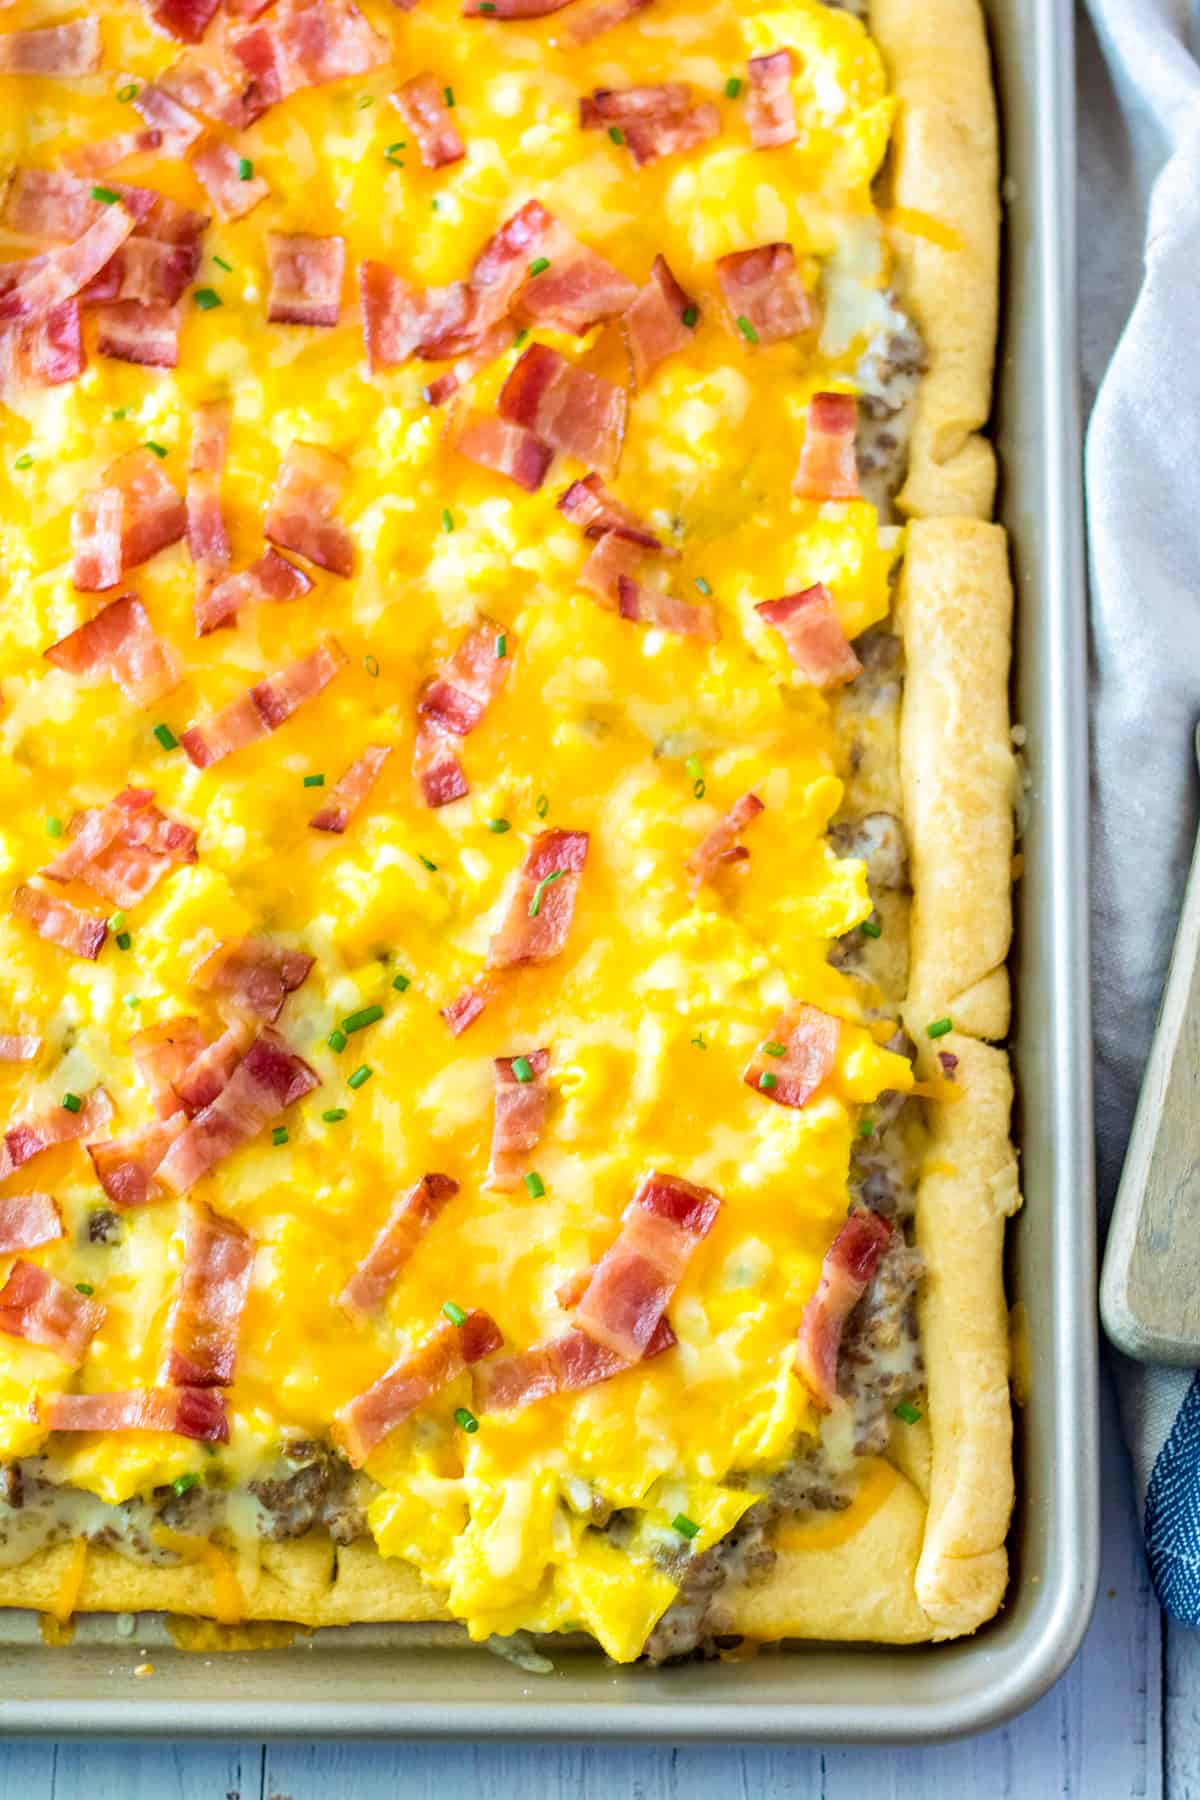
657, 1001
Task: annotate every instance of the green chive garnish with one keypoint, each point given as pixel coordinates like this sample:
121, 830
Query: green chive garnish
703, 585
520, 338
454, 1313
166, 737
24, 461
431, 866
106, 196
448, 96
117, 922
907, 1411
535, 905
940, 1027
123, 940
871, 928
775, 1049
686, 1527
336, 1040
53, 827
534, 1185
182, 1483
127, 93
522, 1068
436, 204
389, 154
362, 1074
206, 298
695, 769
72, 1102
498, 826
466, 1420
121, 412
689, 316
733, 87
746, 328
401, 983
157, 448
699, 1042
501, 647
371, 665
132, 1000
84, 1287
314, 781
279, 1135
542, 807
865, 1128
222, 264
539, 265
363, 101
335, 1115
768, 1082
245, 168
447, 520
358, 1021
487, 6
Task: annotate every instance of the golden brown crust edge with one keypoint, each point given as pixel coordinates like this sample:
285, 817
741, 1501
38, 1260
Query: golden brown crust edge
945, 163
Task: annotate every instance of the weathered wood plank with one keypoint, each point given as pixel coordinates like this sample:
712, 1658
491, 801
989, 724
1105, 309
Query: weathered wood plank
126, 1771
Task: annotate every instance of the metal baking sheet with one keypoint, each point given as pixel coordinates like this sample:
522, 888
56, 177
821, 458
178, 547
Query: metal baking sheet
421, 1681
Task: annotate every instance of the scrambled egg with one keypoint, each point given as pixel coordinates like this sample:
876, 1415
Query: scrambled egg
655, 1004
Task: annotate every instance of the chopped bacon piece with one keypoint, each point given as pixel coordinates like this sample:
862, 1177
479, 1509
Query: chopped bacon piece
578, 290
437, 768
306, 43
306, 278
148, 335
187, 20
849, 1264
766, 298
645, 605
272, 577
220, 172
657, 121
269, 1078
565, 1364
635, 1278
512, 9
466, 1007
125, 1166
412, 1380
218, 1257
188, 1412
422, 105
255, 974
721, 845
491, 345
72, 49
210, 1069
506, 448
27, 1220
55, 1125
16, 1047
146, 516
809, 1040
613, 560
43, 351
47, 203
770, 109
162, 1054
265, 707
120, 641
309, 487
98, 157
593, 20
816, 641
520, 1116
393, 316
828, 468
459, 696
589, 505
60, 923
60, 274
660, 321
499, 272
205, 88
409, 1219
177, 127
123, 850
542, 903
150, 271
208, 540
351, 789
36, 1306
566, 407
649, 140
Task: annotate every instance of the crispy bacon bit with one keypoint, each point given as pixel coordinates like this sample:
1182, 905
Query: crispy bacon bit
122, 850
150, 271
208, 540
272, 577
46, 203
97, 526
437, 768
218, 1257
269, 1078
491, 345
98, 157
72, 49
27, 1220
306, 278
187, 20
466, 1007
125, 1166
41, 1309
500, 271
409, 1219
721, 845
770, 109
147, 335
589, 505
651, 139
351, 789
459, 696
120, 641
421, 104
849, 1264
188, 1412
60, 923
580, 288
816, 641
658, 120
565, 1364
542, 903
56, 1125
645, 605
43, 351
828, 468
593, 20
308, 490
613, 560
178, 128
60, 274
566, 407
204, 88
636, 1277
506, 448
393, 316
265, 707
255, 974
218, 169
412, 1380
146, 516
810, 1039
16, 1047
766, 298
306, 43
209, 1071
162, 1054
660, 321
520, 1116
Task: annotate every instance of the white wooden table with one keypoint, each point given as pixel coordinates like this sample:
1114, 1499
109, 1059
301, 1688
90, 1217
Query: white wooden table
1123, 1724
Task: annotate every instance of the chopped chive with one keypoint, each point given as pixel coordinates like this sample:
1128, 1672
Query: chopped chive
123, 940
703, 585
84, 1287
72, 1102
389, 155
360, 1077
436, 204
522, 1068
733, 87
775, 1049
127, 93
117, 922
768, 1082
448, 95
865, 1128
700, 1042
535, 1187
689, 315
363, 101
245, 168
447, 520
121, 412
686, 1527
106, 196
940, 1027
314, 781
358, 1021
401, 983
132, 1000
454, 1313
907, 1411
520, 338
182, 1483
334, 1115
535, 905
279, 1135
53, 827
539, 265
166, 737
616, 134
371, 665
871, 928
746, 328
157, 448
466, 1420
499, 826
431, 866
487, 6
695, 769
206, 298
502, 646
336, 1040
24, 461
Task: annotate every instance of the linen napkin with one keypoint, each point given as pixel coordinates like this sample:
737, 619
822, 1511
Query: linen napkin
1139, 251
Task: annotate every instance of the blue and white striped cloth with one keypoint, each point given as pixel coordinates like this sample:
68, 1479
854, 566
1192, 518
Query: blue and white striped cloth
1139, 92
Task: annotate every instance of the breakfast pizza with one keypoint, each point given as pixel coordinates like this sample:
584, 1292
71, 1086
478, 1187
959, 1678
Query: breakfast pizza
506, 818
